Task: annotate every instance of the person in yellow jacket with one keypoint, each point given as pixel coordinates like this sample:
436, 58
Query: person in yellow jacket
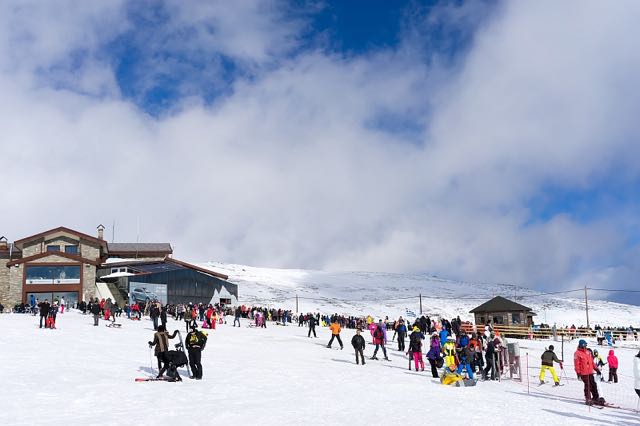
335, 333
449, 375
449, 352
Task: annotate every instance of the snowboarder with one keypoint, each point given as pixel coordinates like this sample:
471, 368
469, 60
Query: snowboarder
548, 357
161, 342
612, 359
415, 348
196, 341
379, 339
358, 343
335, 333
584, 366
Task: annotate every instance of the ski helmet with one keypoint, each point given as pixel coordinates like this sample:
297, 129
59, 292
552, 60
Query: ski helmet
582, 343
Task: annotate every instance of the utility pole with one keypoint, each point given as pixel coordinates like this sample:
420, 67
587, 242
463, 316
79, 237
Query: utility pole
297, 303
421, 304
586, 304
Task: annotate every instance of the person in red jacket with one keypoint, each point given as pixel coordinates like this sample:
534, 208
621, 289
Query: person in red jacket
584, 366
612, 360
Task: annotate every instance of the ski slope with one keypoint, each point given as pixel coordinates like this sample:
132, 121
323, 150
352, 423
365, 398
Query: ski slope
382, 294
79, 374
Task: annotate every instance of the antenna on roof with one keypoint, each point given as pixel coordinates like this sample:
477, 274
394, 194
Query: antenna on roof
137, 235
113, 232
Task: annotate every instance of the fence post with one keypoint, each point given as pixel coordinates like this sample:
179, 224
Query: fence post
527, 372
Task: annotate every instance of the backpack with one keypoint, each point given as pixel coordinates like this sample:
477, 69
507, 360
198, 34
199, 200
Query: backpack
197, 338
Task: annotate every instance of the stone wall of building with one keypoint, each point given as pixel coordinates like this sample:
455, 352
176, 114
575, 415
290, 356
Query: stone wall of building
4, 283
88, 283
31, 248
15, 284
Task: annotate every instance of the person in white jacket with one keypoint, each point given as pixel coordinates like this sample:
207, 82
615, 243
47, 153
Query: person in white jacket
636, 373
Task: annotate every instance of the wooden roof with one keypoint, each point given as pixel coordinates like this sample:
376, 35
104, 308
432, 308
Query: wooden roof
499, 304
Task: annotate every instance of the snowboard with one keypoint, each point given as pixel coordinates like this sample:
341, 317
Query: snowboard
181, 347
155, 379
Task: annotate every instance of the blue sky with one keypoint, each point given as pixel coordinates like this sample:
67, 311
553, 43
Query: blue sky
474, 140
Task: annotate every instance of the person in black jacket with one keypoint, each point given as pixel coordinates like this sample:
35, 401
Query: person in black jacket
196, 341
95, 310
44, 311
358, 344
161, 342
312, 326
163, 316
154, 313
491, 361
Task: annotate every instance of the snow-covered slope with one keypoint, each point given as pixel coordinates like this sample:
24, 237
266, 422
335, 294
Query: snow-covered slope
382, 294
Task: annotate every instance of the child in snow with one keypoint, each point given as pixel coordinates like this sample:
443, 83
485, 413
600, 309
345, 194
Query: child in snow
548, 357
612, 359
599, 363
449, 352
358, 344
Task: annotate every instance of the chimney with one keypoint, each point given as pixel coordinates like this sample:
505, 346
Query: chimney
3, 243
101, 232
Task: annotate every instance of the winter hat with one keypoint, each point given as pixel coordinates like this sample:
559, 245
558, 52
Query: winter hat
550, 347
582, 343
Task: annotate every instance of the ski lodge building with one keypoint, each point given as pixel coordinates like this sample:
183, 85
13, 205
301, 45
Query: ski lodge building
62, 262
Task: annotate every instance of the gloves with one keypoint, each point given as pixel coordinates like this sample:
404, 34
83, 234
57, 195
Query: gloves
561, 366
150, 344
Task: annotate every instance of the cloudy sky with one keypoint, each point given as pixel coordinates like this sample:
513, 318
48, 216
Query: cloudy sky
482, 141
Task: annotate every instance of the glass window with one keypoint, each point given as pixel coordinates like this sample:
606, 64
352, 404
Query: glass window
51, 274
515, 318
498, 319
71, 249
53, 248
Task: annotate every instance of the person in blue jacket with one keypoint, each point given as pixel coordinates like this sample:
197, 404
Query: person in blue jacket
444, 333
466, 356
401, 330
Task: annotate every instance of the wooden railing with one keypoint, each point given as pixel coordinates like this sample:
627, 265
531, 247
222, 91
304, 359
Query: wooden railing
534, 332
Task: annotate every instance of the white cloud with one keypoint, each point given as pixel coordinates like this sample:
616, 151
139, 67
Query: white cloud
286, 171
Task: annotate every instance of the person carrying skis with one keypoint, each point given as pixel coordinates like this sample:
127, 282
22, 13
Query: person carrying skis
312, 326
415, 348
335, 333
196, 341
584, 366
358, 343
401, 330
612, 359
548, 357
379, 339
161, 342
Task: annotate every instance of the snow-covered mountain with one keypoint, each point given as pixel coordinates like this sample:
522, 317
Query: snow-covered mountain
382, 294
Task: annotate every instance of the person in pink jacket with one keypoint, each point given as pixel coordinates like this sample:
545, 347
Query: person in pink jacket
612, 360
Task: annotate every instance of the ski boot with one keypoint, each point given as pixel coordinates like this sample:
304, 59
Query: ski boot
374, 358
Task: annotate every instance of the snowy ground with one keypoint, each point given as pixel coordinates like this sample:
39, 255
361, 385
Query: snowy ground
81, 374
381, 294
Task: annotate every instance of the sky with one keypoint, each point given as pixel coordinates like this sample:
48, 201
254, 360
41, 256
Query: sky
484, 140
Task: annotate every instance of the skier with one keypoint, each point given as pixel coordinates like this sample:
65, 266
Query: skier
161, 342
612, 359
379, 339
196, 341
312, 326
548, 357
335, 333
415, 348
401, 329
584, 366
44, 311
358, 344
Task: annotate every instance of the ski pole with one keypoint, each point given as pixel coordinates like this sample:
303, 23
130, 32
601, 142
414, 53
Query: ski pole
151, 360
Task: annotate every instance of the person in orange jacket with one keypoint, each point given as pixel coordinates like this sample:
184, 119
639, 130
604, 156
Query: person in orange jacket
584, 366
335, 333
